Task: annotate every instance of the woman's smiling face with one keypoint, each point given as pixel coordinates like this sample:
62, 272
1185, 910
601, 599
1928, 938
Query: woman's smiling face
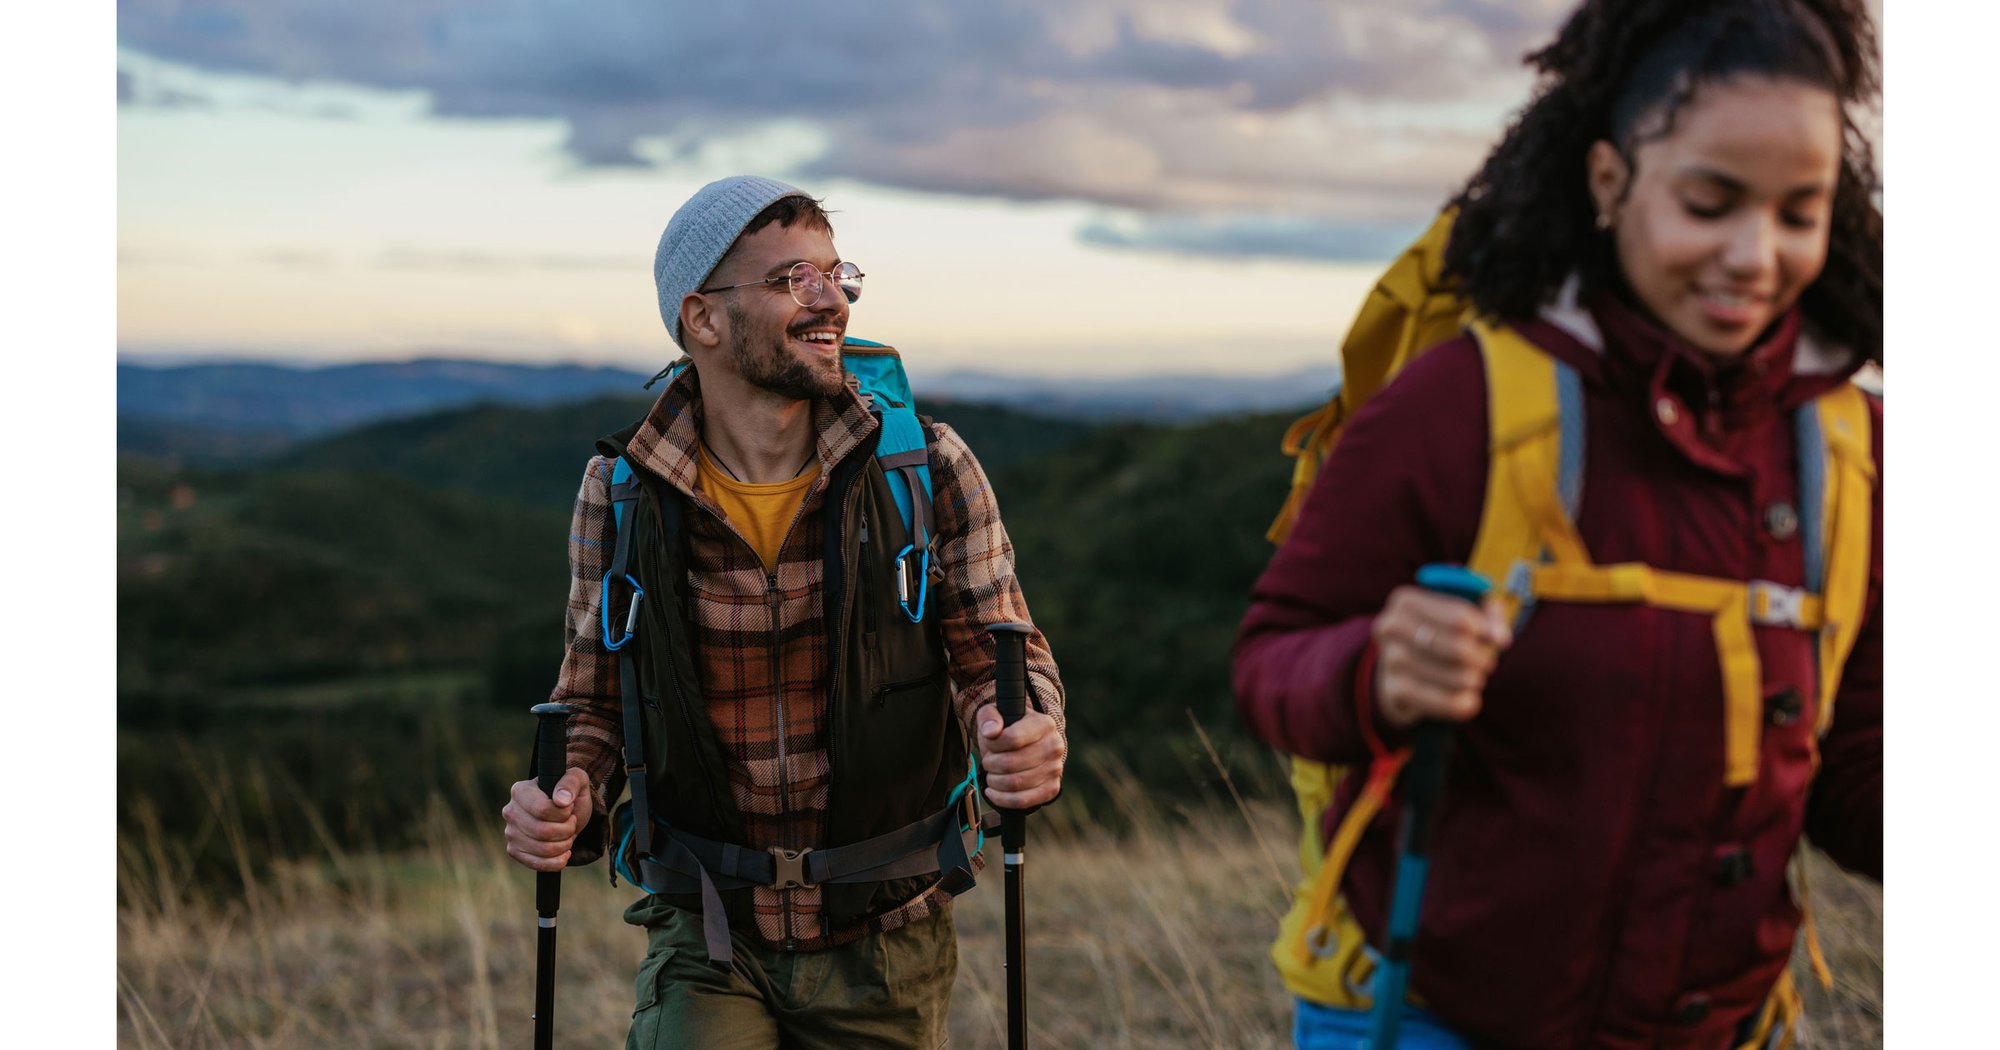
1721, 222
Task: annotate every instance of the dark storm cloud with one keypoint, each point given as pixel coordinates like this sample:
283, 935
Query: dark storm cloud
1185, 107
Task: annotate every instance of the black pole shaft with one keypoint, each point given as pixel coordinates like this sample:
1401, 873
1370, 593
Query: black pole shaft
1010, 693
551, 759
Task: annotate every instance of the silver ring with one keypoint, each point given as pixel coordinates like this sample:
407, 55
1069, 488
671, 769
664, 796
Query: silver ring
1424, 636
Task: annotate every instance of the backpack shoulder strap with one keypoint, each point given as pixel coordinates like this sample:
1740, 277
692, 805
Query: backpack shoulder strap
904, 456
1534, 479
624, 490
1836, 497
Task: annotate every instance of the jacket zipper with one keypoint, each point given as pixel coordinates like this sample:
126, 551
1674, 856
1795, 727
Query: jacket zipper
778, 698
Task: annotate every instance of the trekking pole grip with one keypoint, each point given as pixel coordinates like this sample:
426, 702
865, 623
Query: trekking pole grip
1010, 669
551, 745
551, 761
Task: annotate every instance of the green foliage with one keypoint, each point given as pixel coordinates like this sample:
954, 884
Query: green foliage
524, 455
1136, 551
330, 614
242, 579
1002, 437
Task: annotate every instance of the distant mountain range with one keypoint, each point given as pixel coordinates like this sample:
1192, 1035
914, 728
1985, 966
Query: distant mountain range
302, 401
1164, 397
266, 406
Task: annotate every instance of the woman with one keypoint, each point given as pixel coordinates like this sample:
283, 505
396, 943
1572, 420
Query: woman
1683, 220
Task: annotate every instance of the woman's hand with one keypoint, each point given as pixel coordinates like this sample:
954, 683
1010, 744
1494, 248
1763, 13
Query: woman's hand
1433, 653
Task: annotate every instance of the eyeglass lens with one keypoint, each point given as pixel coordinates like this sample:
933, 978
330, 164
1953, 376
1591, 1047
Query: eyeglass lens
808, 284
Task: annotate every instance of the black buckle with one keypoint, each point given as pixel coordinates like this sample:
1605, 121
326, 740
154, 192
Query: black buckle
788, 868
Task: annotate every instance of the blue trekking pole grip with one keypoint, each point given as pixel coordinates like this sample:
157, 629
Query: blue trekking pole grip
1430, 744
1010, 695
551, 760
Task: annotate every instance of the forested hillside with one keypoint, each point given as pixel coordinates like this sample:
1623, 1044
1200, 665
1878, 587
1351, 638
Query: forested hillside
356, 603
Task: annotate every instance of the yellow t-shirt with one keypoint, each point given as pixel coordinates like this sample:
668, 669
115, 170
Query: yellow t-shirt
761, 513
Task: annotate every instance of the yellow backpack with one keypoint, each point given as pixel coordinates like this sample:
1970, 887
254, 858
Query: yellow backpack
1528, 544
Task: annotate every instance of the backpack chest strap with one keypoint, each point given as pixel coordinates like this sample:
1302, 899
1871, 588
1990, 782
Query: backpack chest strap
1733, 607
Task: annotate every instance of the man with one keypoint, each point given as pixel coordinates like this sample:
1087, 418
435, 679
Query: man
791, 704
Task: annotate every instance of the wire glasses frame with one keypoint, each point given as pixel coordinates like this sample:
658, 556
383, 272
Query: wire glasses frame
808, 283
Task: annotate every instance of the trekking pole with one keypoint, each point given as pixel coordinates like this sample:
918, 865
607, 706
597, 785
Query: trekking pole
551, 759
1430, 745
1010, 694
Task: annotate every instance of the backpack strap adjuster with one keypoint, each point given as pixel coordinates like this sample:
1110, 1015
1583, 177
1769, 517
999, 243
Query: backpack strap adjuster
1776, 605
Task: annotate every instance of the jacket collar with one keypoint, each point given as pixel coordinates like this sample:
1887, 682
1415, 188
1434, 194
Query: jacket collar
1789, 367
665, 444
1692, 399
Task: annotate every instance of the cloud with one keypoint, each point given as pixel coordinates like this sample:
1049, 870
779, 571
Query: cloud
473, 261
1254, 236
1336, 112
137, 91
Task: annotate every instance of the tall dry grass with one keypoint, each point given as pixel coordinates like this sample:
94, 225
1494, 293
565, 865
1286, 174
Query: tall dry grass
1152, 936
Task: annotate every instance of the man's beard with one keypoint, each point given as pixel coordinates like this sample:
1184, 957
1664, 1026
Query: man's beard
775, 370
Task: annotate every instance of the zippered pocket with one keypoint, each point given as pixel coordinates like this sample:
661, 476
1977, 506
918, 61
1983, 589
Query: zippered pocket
930, 681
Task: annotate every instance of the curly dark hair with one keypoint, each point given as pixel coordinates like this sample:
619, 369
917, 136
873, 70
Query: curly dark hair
1526, 220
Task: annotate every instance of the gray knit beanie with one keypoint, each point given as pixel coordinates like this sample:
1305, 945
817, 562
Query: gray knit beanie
701, 232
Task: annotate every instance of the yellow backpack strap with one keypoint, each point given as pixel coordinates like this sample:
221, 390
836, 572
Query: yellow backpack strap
1528, 538
1837, 492
1308, 441
1780, 1013
1335, 969
1534, 477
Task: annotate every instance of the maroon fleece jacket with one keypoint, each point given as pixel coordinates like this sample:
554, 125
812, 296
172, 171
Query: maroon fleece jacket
1593, 883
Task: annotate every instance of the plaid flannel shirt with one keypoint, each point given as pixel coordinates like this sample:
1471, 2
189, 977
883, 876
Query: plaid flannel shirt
767, 698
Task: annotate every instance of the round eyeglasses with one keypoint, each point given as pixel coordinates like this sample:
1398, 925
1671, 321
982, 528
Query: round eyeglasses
808, 283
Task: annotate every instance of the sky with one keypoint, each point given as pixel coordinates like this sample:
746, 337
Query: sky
1054, 186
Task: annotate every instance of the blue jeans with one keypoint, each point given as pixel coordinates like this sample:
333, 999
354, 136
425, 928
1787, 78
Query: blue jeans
1317, 1027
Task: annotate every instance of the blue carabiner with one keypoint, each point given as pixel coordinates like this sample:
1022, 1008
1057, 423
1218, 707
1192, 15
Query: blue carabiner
903, 582
631, 614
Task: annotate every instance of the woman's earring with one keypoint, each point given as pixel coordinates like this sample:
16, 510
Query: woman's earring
1603, 221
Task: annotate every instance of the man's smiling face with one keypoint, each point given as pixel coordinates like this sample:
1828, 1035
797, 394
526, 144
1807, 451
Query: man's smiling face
774, 343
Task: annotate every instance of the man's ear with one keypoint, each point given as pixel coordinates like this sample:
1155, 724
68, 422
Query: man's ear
1608, 174
702, 321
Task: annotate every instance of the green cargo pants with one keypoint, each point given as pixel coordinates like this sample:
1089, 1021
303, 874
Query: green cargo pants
889, 990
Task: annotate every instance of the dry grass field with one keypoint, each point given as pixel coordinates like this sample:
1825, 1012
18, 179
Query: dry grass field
1152, 937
